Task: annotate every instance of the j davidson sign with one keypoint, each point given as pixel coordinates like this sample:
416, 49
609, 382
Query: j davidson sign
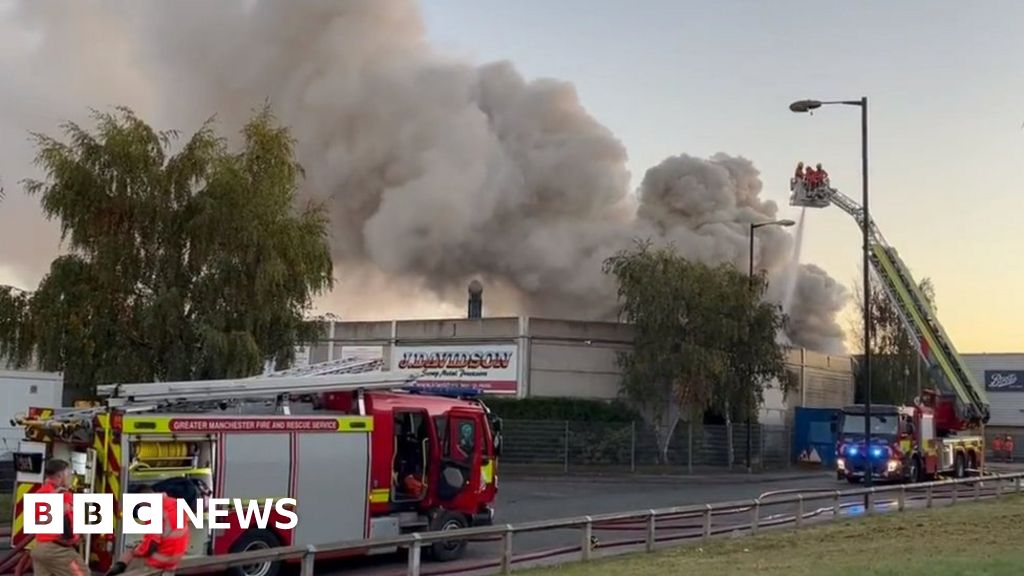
1004, 380
490, 369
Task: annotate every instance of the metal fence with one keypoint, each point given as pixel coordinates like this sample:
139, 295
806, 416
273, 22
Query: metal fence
668, 525
632, 446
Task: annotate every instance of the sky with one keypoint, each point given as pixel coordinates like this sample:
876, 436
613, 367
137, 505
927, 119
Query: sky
946, 103
945, 99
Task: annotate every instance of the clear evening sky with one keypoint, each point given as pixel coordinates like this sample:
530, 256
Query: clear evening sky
946, 103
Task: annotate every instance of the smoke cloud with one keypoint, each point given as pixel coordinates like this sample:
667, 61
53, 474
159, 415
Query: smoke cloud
435, 171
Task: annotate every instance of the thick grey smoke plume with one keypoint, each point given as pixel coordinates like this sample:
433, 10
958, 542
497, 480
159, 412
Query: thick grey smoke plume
435, 171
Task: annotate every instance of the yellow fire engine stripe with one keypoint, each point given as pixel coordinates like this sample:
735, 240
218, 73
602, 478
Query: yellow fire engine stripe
355, 424
113, 475
146, 425
19, 519
380, 496
97, 445
487, 472
162, 425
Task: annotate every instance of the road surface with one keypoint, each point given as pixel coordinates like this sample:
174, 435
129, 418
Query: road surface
529, 500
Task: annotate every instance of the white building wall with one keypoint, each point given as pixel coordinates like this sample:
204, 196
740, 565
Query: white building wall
1006, 406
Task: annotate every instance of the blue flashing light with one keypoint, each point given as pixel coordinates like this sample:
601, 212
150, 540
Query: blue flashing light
877, 451
851, 450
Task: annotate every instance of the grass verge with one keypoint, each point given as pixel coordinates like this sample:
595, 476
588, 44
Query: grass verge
980, 539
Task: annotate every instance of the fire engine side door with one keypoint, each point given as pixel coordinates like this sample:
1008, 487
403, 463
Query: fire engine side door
461, 451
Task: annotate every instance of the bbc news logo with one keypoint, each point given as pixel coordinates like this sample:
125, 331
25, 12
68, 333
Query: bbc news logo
144, 513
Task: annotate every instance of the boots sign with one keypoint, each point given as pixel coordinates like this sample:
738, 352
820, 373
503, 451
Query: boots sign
1004, 380
491, 369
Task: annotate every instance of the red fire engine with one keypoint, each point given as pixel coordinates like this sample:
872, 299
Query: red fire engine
944, 430
908, 443
364, 453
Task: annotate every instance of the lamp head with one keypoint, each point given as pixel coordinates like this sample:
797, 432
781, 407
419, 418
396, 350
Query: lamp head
805, 105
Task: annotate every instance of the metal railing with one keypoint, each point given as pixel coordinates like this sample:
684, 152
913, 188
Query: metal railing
645, 521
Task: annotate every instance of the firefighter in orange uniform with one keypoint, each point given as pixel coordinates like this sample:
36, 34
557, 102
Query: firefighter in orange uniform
57, 554
160, 551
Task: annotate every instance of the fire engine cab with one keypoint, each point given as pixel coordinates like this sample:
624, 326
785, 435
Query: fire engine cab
365, 453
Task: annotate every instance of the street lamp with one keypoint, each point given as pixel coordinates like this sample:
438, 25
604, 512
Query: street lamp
807, 106
750, 375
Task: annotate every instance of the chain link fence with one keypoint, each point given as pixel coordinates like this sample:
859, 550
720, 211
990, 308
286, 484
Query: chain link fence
564, 445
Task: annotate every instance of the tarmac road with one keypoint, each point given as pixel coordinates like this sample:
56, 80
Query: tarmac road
528, 500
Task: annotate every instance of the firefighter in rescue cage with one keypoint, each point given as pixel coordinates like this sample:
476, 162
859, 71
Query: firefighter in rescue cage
162, 551
57, 554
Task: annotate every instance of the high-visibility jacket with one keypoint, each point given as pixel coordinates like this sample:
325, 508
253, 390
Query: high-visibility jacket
165, 550
68, 538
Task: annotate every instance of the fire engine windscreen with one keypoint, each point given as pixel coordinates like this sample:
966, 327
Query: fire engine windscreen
882, 425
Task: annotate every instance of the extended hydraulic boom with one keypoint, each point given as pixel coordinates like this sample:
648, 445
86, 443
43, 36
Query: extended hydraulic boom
934, 346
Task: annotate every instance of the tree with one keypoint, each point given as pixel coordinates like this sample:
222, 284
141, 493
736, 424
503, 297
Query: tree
179, 266
897, 369
756, 359
691, 323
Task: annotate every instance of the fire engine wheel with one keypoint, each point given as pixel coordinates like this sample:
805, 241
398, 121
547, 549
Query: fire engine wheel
250, 541
448, 550
960, 467
914, 474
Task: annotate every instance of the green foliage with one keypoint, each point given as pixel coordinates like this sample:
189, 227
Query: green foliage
180, 266
591, 445
15, 342
562, 409
896, 365
702, 336
757, 358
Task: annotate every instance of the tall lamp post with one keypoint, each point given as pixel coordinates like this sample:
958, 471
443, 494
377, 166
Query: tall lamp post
750, 371
807, 106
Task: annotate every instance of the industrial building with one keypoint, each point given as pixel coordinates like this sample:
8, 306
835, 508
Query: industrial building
1003, 378
543, 357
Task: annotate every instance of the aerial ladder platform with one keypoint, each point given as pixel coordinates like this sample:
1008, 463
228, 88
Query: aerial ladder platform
931, 341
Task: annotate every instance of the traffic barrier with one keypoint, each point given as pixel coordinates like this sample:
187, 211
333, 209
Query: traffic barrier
655, 534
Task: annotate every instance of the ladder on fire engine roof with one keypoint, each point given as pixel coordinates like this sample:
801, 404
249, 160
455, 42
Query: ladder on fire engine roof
903, 292
347, 375
345, 365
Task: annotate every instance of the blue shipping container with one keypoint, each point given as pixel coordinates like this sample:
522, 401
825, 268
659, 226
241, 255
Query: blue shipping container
815, 432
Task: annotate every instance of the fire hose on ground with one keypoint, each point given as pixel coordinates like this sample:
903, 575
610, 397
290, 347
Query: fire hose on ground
16, 558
